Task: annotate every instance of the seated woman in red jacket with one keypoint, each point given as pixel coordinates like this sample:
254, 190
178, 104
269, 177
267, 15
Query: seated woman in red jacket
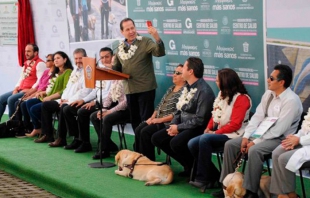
230, 114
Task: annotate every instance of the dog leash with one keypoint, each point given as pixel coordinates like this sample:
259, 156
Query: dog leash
237, 161
134, 163
17, 107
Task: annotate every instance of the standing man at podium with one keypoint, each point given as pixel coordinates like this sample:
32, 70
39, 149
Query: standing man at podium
134, 57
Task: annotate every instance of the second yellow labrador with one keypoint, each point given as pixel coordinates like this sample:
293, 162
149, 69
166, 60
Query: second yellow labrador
233, 186
135, 165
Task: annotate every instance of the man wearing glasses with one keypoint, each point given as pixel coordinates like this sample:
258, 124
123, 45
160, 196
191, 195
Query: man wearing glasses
279, 102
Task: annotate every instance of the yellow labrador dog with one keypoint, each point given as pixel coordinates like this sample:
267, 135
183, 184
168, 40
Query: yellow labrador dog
233, 186
135, 165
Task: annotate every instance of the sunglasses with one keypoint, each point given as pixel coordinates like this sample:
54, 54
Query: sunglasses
177, 73
48, 60
272, 78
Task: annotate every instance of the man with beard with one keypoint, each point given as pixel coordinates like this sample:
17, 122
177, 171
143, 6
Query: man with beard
28, 82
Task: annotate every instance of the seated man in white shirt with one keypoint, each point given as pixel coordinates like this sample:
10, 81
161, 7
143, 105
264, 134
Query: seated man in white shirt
75, 90
279, 101
78, 119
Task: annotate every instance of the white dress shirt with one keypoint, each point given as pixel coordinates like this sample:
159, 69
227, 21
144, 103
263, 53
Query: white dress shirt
75, 89
287, 107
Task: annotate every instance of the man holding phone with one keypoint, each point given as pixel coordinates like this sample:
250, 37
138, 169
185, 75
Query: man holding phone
134, 57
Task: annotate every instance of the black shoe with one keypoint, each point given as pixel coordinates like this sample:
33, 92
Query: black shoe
218, 194
105, 154
250, 194
74, 145
85, 147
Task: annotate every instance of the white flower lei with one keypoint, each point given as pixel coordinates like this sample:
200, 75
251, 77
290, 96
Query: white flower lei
27, 71
51, 83
116, 90
218, 108
74, 78
121, 51
306, 123
186, 97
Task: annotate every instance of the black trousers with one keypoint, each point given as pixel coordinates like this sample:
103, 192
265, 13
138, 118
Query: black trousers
176, 146
141, 107
78, 121
47, 110
107, 124
143, 136
70, 116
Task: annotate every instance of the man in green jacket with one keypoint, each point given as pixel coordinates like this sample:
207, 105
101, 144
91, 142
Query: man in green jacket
134, 57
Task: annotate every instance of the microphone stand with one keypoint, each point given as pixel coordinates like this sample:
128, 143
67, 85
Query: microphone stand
101, 164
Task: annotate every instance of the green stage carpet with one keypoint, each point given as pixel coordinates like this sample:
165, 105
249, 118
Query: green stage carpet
67, 174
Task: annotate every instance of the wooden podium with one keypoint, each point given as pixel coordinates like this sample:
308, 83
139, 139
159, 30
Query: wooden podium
92, 73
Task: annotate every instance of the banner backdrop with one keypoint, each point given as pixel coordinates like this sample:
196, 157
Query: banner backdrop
223, 33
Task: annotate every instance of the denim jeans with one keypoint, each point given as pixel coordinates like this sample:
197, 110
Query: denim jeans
9, 99
34, 110
201, 148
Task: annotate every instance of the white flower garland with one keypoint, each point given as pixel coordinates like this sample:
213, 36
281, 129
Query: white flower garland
186, 97
27, 71
218, 108
75, 77
306, 123
121, 51
51, 83
116, 90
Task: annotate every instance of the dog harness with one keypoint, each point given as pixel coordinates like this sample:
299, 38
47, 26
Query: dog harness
134, 163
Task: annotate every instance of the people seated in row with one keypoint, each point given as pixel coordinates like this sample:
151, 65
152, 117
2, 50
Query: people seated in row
161, 117
193, 112
278, 101
58, 82
23, 115
75, 90
28, 82
287, 158
229, 118
77, 115
114, 111
230, 115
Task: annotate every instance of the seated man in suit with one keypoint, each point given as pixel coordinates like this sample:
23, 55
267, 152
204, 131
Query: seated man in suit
193, 112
